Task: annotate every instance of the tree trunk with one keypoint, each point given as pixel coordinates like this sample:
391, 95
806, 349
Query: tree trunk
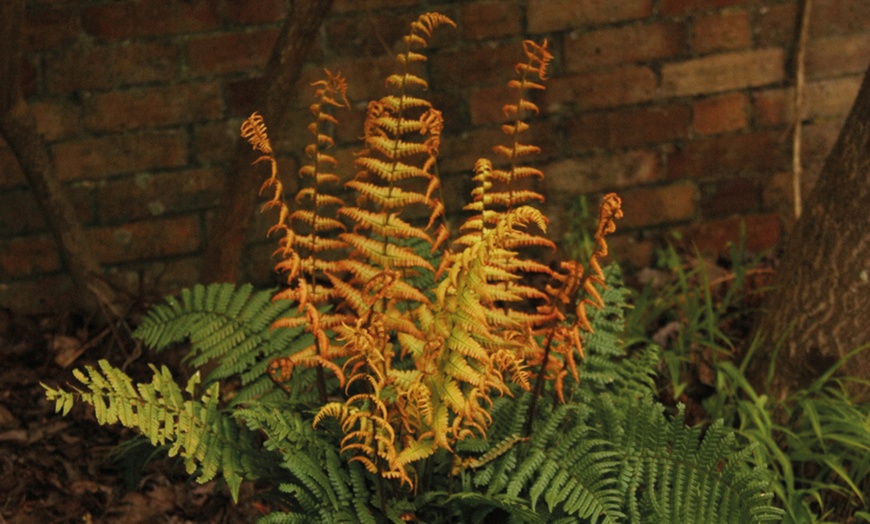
18, 128
819, 309
226, 242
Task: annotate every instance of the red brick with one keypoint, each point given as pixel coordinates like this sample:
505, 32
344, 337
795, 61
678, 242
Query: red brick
777, 193
118, 154
482, 20
633, 43
20, 213
729, 197
231, 52
57, 119
479, 66
714, 238
159, 278
677, 7
831, 17
345, 6
721, 31
629, 128
346, 36
214, 143
147, 195
146, 239
618, 87
599, 173
629, 249
830, 98
776, 25
153, 106
24, 256
723, 72
486, 104
86, 68
731, 155
545, 16
773, 107
720, 114
49, 27
255, 11
121, 20
460, 152
837, 55
365, 78
652, 206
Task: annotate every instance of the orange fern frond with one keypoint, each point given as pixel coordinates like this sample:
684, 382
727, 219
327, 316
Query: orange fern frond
517, 151
406, 80
427, 23
486, 322
539, 57
254, 131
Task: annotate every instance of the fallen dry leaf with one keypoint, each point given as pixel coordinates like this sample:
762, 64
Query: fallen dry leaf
67, 349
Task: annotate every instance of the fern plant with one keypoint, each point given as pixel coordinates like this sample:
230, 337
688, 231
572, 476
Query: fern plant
398, 376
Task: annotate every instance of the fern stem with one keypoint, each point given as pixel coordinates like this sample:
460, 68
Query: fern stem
539, 386
382, 495
321, 385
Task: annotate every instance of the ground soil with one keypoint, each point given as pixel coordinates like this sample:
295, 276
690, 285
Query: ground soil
56, 469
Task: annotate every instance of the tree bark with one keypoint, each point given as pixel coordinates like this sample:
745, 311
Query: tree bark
18, 128
819, 309
226, 243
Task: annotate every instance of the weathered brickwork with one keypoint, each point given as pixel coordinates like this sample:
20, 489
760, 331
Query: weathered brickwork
683, 106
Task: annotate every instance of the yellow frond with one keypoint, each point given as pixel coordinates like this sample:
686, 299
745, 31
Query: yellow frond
427, 22
318, 222
397, 104
393, 171
397, 126
386, 255
336, 410
387, 197
517, 151
461, 341
403, 81
415, 451
457, 367
383, 225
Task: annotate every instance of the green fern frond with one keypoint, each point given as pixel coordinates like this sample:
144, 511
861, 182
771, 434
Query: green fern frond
608, 365
228, 326
670, 472
206, 438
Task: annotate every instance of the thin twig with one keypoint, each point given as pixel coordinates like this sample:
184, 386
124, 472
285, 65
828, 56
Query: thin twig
797, 136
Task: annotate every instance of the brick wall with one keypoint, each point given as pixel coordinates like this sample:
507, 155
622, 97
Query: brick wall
683, 106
